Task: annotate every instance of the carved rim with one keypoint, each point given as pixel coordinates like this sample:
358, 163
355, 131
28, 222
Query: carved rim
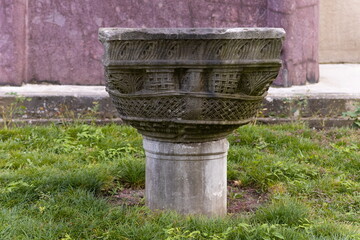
110, 34
191, 63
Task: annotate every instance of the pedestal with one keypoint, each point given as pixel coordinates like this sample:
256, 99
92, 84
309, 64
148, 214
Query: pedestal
184, 89
189, 178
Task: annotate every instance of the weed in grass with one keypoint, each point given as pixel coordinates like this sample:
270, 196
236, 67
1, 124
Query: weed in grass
283, 211
278, 189
354, 115
131, 172
130, 168
12, 110
179, 234
241, 230
330, 230
14, 186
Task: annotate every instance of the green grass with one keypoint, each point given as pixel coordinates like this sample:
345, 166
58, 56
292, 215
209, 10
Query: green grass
57, 182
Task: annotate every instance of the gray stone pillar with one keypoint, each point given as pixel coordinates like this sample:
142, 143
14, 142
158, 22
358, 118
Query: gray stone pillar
189, 178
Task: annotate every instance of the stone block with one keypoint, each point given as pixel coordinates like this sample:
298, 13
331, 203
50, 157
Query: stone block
300, 52
62, 46
282, 6
12, 42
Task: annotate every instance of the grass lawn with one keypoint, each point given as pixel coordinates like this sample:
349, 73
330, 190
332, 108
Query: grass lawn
85, 182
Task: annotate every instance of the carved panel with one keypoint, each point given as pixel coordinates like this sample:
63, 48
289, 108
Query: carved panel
229, 109
224, 81
160, 80
220, 80
151, 107
125, 81
217, 49
256, 83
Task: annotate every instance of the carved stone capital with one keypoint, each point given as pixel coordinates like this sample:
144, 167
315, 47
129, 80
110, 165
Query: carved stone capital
189, 85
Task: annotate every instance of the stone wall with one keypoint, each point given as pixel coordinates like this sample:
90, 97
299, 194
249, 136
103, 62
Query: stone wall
12, 42
340, 31
55, 41
300, 19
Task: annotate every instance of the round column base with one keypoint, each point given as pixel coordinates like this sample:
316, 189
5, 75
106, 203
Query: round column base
189, 178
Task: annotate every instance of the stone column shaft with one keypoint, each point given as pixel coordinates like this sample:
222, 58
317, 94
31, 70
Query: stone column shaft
189, 178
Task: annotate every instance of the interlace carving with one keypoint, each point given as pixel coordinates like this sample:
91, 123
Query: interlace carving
229, 109
224, 81
217, 49
177, 132
160, 80
151, 107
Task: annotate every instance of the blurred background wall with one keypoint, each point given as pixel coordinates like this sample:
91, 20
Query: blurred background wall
55, 41
340, 31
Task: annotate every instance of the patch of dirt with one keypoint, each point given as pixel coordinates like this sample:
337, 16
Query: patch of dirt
129, 197
239, 199
244, 199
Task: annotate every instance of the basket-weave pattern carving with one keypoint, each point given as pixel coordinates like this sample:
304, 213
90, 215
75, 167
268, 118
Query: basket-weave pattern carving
150, 107
224, 81
229, 109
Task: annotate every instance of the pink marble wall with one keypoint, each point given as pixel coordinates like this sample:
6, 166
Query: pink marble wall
62, 45
12, 42
300, 19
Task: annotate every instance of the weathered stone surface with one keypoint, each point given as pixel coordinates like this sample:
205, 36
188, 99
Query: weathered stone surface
300, 52
189, 85
61, 40
187, 177
12, 42
63, 46
110, 34
185, 90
